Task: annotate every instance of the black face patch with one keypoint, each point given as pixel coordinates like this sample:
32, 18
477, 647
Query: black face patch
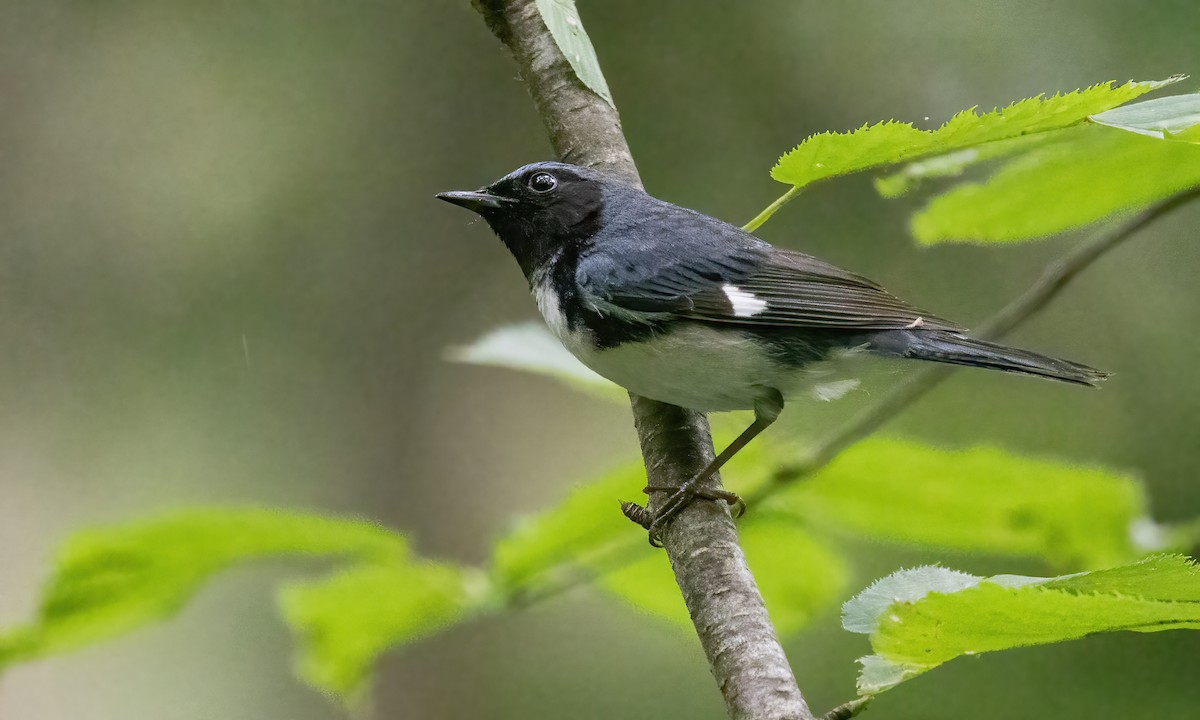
551, 208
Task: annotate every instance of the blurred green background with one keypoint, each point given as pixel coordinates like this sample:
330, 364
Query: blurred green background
223, 279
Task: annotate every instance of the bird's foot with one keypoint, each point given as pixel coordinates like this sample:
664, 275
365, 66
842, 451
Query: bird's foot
679, 498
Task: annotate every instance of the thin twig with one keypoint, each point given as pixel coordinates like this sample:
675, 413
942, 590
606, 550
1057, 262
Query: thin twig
726, 607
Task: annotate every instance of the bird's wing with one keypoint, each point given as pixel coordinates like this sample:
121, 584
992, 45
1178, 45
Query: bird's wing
753, 286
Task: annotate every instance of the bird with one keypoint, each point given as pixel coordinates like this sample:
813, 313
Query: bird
681, 307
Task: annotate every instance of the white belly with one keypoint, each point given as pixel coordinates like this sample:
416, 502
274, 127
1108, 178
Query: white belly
694, 365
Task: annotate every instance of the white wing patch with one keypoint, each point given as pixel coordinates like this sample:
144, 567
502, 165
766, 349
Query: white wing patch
745, 304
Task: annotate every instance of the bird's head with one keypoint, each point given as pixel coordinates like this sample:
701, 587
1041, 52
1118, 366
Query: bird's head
539, 209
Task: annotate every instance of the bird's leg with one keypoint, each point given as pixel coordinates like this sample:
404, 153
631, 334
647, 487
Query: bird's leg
766, 411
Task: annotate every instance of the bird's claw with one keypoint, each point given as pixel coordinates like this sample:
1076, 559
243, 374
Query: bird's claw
680, 497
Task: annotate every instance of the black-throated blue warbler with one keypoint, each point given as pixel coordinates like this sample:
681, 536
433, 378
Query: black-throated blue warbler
683, 308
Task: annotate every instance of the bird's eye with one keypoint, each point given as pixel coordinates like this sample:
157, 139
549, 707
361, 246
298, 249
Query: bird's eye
542, 182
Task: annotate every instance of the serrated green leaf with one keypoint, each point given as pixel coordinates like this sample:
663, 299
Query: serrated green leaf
112, 580
979, 499
861, 613
531, 347
347, 621
828, 155
1095, 175
562, 19
799, 576
919, 631
1162, 118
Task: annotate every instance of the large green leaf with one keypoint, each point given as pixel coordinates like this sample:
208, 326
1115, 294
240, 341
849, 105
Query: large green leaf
1094, 175
112, 580
919, 619
980, 499
831, 154
347, 621
799, 576
562, 19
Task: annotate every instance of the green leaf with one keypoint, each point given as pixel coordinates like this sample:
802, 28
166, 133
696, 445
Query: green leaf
919, 619
347, 621
562, 19
828, 155
799, 576
110, 581
980, 499
531, 347
1096, 174
1164, 118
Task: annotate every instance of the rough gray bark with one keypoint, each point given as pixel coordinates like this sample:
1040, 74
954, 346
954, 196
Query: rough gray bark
701, 543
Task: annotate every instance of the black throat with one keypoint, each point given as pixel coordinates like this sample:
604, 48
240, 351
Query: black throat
542, 235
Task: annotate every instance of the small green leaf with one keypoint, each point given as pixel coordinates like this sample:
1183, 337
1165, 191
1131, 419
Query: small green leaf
799, 576
1163, 118
828, 155
980, 499
936, 615
562, 19
347, 621
110, 581
1096, 174
531, 347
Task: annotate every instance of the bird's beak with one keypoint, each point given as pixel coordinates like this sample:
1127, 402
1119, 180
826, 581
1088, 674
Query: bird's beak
476, 201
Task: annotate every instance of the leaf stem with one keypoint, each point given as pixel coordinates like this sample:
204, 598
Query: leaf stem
773, 208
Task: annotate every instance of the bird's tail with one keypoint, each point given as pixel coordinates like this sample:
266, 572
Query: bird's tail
954, 349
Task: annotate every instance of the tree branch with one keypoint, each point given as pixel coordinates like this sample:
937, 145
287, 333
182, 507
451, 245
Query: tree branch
726, 607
